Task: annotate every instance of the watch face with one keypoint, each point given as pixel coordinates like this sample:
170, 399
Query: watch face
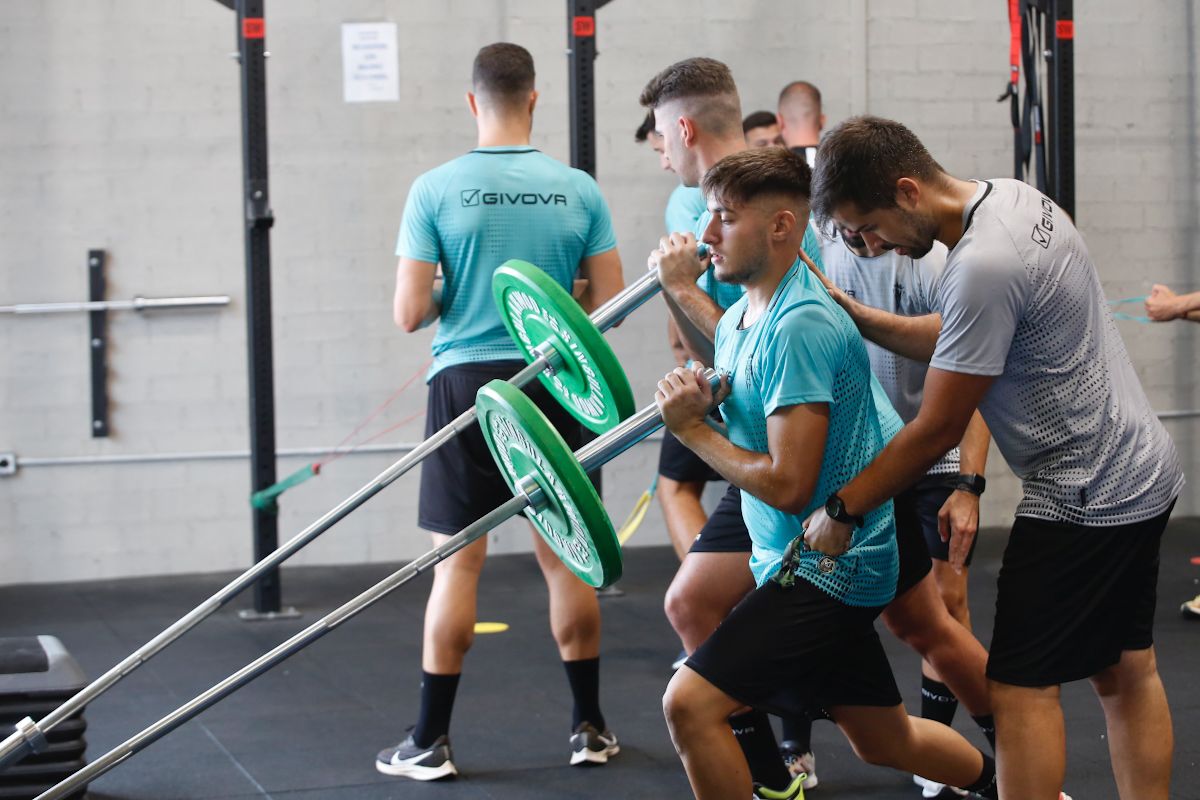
835, 509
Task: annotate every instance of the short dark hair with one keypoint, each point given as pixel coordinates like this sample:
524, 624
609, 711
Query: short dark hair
741, 177
645, 129
503, 71
692, 77
707, 86
860, 162
759, 119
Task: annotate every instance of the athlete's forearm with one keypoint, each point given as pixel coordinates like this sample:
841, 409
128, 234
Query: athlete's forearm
1189, 306
973, 449
675, 340
911, 337
898, 466
696, 316
749, 470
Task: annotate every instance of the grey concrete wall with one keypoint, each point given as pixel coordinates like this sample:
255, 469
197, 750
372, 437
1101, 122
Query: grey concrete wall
120, 129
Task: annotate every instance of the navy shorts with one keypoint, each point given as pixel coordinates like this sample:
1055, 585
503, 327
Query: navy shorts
460, 481
1070, 599
932, 494
917, 530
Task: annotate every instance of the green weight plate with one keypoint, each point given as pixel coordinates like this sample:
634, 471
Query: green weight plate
589, 381
572, 520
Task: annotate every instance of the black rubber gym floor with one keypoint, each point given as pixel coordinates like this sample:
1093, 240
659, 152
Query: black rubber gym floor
311, 727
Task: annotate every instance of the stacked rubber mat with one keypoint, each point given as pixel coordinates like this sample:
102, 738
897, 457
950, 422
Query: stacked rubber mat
37, 675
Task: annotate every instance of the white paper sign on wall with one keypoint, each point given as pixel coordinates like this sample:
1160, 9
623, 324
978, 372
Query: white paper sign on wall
370, 67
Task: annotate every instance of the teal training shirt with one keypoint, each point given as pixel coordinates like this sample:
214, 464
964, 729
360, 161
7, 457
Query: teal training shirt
805, 349
476, 212
684, 207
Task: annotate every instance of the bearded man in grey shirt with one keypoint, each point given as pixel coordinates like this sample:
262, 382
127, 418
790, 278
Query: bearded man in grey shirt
1025, 336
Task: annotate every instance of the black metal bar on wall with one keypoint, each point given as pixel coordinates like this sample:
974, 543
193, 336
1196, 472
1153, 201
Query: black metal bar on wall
251, 35
581, 57
1061, 90
98, 343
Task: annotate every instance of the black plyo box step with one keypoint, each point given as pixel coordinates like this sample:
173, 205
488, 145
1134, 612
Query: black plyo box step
49, 774
24, 704
57, 752
68, 730
37, 675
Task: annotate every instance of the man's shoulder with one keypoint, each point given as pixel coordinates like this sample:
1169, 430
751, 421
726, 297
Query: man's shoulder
688, 196
442, 173
804, 311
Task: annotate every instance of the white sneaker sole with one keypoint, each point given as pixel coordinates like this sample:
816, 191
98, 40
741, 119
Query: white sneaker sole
933, 788
597, 757
416, 772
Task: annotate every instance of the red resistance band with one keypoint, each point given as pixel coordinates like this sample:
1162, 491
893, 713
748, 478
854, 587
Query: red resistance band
1014, 42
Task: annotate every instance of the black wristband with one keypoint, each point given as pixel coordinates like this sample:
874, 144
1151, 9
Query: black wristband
968, 482
835, 509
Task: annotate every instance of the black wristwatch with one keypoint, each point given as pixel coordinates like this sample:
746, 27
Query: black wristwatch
835, 509
968, 482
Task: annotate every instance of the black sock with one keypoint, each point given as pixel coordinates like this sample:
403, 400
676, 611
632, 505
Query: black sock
986, 785
987, 724
437, 701
938, 703
797, 733
757, 740
584, 677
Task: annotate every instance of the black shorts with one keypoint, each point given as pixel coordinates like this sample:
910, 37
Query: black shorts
917, 531
677, 462
1070, 599
460, 481
796, 650
910, 542
725, 531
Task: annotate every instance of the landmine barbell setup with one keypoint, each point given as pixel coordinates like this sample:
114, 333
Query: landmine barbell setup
566, 350
550, 486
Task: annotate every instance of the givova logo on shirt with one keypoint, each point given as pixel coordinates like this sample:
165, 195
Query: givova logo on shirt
478, 197
1042, 231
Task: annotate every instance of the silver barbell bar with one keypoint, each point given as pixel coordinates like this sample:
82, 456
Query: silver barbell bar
29, 737
138, 303
592, 455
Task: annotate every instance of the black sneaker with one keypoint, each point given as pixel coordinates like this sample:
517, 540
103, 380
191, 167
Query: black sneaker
591, 747
407, 760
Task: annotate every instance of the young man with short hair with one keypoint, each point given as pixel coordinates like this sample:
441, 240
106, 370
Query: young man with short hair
681, 476
1026, 336
697, 112
457, 215
801, 415
761, 129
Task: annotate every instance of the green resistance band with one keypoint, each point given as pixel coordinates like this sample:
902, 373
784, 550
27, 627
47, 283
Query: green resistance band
1128, 317
264, 500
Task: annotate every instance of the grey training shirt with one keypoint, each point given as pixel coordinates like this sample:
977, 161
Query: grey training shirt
1021, 300
900, 285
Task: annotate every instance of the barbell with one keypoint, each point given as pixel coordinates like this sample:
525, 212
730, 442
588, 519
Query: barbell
550, 486
563, 347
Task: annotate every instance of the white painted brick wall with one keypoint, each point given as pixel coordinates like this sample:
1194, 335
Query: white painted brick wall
121, 130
